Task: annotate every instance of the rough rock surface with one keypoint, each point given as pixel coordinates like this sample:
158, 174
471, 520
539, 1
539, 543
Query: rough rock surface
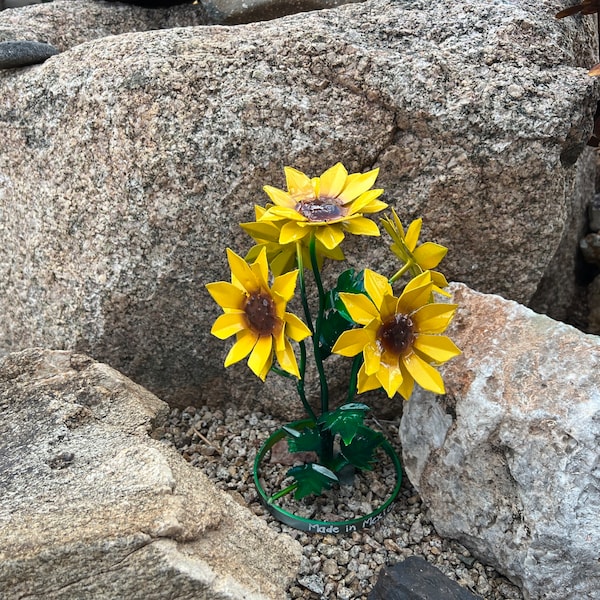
91, 507
234, 11
416, 579
66, 23
508, 460
128, 161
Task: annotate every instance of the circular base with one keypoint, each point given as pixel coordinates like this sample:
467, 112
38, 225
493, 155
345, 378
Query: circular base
314, 525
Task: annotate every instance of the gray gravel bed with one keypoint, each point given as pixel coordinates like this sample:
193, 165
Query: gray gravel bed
223, 443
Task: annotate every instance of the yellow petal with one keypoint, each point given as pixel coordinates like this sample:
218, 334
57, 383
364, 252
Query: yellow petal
412, 234
436, 348
360, 307
241, 272
351, 342
365, 200
372, 356
260, 267
366, 383
279, 197
423, 373
264, 231
357, 184
330, 236
227, 295
361, 226
433, 317
297, 181
287, 359
292, 232
390, 377
416, 293
429, 255
279, 213
242, 347
261, 356
283, 260
229, 324
295, 328
373, 207
285, 285
377, 286
332, 182
387, 310
408, 383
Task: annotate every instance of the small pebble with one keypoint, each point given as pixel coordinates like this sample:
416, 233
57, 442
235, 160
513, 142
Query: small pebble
24, 53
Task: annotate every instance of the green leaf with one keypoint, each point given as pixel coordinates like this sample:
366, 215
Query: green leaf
308, 440
361, 452
312, 479
336, 318
345, 420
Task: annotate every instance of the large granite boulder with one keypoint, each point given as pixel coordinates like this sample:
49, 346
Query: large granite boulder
507, 461
66, 23
127, 163
92, 507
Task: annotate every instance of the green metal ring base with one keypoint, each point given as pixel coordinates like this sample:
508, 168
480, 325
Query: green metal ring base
313, 525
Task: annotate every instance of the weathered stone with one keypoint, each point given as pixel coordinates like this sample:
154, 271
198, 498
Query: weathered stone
235, 12
594, 213
416, 579
594, 306
21, 54
590, 248
507, 461
92, 507
128, 161
66, 23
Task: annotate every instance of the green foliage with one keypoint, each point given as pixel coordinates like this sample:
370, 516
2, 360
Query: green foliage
361, 451
308, 440
311, 479
336, 319
346, 420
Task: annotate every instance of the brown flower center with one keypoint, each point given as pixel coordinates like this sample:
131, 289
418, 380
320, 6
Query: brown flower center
397, 334
260, 312
321, 209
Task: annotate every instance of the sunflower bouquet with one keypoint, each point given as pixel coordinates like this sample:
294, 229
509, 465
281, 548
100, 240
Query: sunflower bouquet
394, 340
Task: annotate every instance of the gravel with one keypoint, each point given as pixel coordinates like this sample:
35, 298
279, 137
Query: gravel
223, 444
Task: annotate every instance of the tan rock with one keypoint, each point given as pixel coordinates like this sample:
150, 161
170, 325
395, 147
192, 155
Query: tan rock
92, 507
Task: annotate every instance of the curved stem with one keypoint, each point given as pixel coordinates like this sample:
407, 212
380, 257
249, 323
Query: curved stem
302, 283
283, 492
300, 383
356, 363
312, 246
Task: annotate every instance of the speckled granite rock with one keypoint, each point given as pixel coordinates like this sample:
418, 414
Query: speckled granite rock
128, 161
91, 507
234, 11
507, 462
66, 23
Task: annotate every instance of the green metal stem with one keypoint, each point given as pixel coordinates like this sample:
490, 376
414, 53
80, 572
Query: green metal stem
312, 247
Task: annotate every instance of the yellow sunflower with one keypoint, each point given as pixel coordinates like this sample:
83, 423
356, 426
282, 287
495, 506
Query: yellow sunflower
281, 257
400, 336
255, 313
327, 206
426, 256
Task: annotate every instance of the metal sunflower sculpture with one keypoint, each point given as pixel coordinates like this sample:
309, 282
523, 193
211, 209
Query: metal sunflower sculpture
395, 338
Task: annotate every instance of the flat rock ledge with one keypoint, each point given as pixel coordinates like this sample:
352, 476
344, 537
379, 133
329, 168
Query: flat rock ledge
92, 507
